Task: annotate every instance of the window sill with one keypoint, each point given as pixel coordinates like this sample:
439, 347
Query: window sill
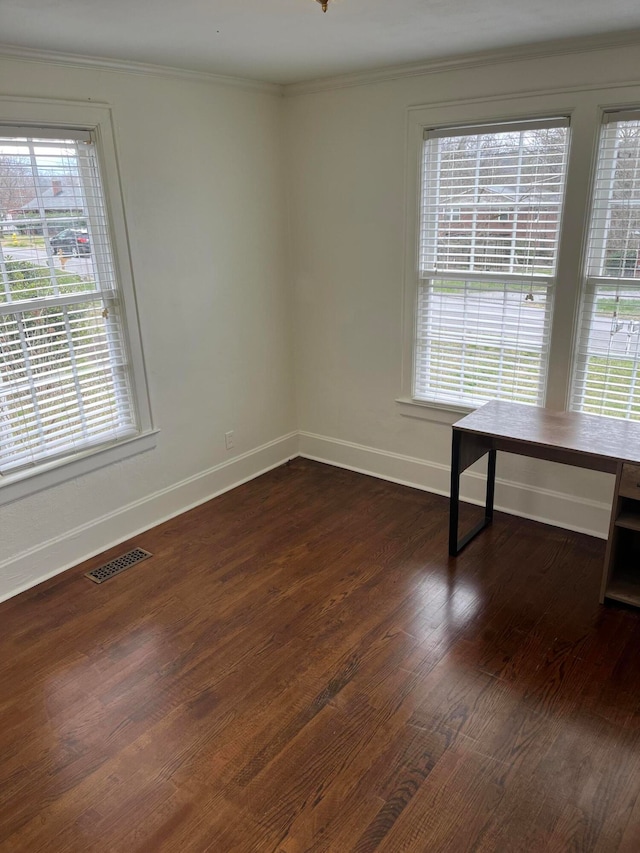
439, 413
13, 487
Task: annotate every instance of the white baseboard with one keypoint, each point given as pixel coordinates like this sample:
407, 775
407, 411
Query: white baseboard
550, 507
34, 566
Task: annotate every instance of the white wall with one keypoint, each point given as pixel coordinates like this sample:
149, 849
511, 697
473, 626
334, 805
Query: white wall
202, 173
347, 149
228, 345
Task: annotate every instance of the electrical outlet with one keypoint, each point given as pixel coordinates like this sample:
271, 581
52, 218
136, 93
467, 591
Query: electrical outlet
228, 439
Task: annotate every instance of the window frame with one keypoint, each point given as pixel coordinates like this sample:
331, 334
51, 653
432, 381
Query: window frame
436, 265
585, 108
595, 274
96, 118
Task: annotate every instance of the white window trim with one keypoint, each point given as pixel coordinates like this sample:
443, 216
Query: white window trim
439, 413
443, 388
22, 484
585, 107
98, 119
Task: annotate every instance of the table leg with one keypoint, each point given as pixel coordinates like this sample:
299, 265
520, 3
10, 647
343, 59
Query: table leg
491, 487
454, 499
456, 545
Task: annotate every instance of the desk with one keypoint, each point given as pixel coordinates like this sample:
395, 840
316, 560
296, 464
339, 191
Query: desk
572, 438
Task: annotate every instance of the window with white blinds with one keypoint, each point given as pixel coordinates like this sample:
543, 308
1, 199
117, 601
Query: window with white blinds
606, 377
65, 381
491, 202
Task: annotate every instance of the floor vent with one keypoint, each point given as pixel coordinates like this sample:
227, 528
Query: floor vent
114, 567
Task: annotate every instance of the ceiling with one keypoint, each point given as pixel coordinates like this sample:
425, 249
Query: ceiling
288, 41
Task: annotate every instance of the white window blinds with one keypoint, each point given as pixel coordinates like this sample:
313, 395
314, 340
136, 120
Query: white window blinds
606, 377
64, 375
490, 217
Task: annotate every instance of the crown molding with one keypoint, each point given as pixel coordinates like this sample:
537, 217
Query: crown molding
73, 60
540, 50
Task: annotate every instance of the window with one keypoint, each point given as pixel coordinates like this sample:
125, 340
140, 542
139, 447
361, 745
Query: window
607, 370
453, 214
68, 384
491, 204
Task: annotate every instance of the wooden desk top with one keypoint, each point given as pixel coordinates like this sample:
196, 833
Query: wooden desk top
573, 431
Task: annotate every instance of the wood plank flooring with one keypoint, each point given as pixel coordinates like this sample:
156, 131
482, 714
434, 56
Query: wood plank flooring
301, 667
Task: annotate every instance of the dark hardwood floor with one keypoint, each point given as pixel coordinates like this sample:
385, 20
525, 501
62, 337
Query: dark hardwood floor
301, 667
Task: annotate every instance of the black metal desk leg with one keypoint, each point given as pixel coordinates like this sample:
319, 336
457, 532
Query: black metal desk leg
491, 487
456, 545
454, 500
